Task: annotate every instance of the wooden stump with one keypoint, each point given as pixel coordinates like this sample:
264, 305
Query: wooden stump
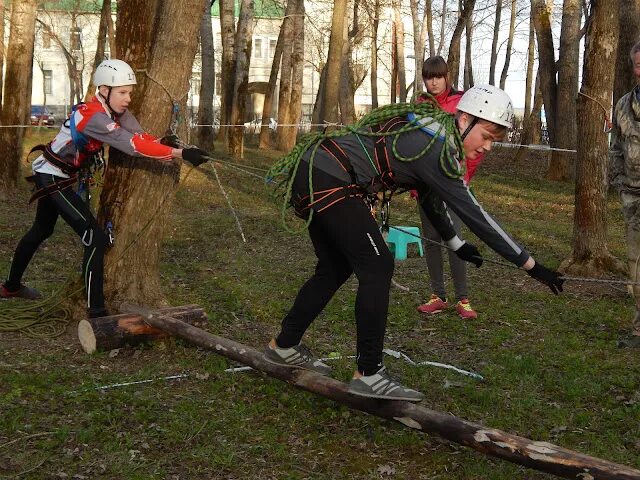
116, 331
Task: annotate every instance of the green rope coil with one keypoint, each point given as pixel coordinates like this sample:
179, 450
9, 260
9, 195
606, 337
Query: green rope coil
283, 173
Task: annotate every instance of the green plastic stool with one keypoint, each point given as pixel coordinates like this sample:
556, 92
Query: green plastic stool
398, 241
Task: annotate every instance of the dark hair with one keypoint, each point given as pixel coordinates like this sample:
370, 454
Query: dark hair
635, 49
435, 67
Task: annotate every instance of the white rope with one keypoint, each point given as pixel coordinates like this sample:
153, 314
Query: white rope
545, 148
233, 211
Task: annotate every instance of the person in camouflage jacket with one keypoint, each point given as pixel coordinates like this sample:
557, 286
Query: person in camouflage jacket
624, 175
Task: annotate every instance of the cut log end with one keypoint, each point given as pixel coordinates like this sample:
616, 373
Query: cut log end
87, 336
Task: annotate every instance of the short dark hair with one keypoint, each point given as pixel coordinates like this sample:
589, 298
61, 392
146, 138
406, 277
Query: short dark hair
435, 66
635, 49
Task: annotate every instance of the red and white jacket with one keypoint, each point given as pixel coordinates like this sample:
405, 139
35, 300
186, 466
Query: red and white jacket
95, 123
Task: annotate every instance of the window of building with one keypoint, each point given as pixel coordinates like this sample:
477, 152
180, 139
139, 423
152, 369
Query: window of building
48, 81
46, 40
257, 48
272, 46
196, 81
75, 38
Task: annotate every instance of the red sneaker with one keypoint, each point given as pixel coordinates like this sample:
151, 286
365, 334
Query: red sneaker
463, 307
435, 305
22, 292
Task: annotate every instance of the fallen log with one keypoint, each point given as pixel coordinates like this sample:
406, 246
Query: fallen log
116, 331
542, 456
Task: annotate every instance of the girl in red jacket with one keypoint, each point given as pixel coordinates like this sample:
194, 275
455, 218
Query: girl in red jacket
435, 74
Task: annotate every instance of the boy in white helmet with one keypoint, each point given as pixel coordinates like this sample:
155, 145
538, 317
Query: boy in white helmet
103, 120
347, 239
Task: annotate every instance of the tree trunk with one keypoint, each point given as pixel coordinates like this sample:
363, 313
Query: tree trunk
103, 32
297, 75
318, 106
137, 192
529, 82
590, 255
454, 47
442, 24
507, 57
543, 456
242, 54
374, 54
267, 109
560, 168
206, 135
629, 25
1, 48
116, 331
15, 110
401, 85
494, 43
347, 91
329, 112
284, 92
228, 35
536, 114
111, 32
468, 66
546, 60
420, 28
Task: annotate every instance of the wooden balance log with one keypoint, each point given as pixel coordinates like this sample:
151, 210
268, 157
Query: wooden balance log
116, 331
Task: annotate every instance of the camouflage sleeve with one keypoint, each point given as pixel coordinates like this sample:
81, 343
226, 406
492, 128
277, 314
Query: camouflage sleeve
616, 152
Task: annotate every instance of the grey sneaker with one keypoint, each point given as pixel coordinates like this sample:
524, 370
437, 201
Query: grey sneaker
296, 357
382, 385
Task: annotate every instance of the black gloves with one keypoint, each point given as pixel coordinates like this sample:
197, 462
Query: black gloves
171, 140
195, 156
470, 253
547, 277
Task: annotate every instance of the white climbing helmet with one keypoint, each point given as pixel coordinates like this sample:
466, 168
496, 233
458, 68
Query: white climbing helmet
114, 73
488, 103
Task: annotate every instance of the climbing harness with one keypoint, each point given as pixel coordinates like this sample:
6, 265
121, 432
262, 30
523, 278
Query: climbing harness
423, 116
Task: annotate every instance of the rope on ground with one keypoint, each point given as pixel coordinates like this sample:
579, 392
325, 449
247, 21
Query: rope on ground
226, 197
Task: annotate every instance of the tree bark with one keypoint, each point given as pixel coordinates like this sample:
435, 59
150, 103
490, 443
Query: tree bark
454, 47
228, 35
284, 91
507, 55
468, 65
206, 135
288, 140
538, 455
401, 74
242, 62
103, 34
494, 43
318, 106
137, 192
442, 24
629, 27
329, 111
15, 110
116, 331
1, 49
374, 54
560, 168
590, 255
267, 109
421, 28
547, 62
529, 81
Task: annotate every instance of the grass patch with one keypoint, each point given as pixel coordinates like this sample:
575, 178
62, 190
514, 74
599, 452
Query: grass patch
552, 370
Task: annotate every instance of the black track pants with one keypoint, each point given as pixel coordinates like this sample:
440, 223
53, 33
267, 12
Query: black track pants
76, 213
346, 240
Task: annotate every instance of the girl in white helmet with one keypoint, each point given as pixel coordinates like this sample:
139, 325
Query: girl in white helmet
328, 179
103, 120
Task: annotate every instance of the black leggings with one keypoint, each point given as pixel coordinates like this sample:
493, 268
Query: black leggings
346, 240
76, 213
